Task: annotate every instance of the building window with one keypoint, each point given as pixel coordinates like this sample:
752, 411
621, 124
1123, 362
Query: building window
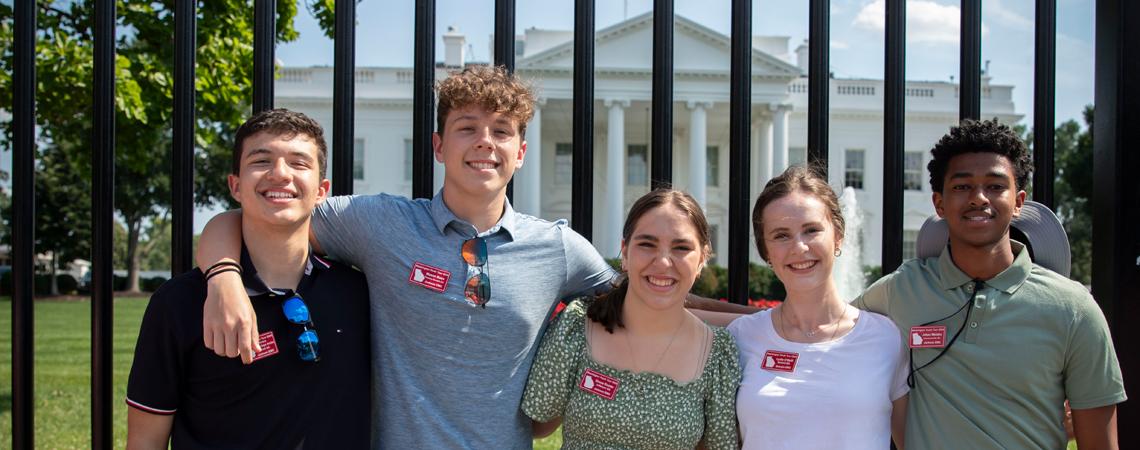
637, 165
563, 163
912, 171
408, 157
712, 166
797, 155
853, 173
909, 238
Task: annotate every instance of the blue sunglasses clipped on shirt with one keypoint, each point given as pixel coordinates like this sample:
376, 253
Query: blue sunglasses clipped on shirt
308, 345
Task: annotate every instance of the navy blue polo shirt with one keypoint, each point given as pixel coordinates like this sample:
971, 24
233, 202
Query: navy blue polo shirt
278, 401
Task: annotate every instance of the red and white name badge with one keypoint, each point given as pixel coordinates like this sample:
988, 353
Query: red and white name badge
599, 384
930, 336
268, 346
430, 277
777, 361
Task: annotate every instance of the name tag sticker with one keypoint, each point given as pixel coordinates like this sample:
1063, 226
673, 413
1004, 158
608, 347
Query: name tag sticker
268, 346
599, 384
777, 361
931, 336
430, 277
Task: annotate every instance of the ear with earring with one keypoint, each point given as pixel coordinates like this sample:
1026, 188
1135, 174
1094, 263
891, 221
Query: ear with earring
838, 252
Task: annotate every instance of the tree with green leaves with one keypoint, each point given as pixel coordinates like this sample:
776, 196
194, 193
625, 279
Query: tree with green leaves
1073, 186
143, 101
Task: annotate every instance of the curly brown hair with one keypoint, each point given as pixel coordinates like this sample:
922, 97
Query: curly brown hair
281, 122
797, 178
980, 136
491, 88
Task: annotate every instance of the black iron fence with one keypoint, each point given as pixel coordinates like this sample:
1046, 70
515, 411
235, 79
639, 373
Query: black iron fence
1116, 244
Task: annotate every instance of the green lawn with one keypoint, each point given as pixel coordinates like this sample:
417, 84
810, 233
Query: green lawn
63, 371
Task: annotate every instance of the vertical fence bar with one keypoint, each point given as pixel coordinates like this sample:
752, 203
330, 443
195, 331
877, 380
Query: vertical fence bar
182, 185
505, 50
1044, 95
103, 217
819, 77
893, 134
661, 173
740, 138
23, 221
505, 34
582, 190
1116, 195
344, 88
970, 65
423, 99
264, 31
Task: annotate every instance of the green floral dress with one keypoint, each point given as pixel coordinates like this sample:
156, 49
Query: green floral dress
647, 410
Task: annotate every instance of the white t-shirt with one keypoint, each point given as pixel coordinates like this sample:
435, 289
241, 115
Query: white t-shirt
828, 395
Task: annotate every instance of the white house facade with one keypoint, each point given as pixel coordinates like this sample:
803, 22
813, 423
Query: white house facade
623, 94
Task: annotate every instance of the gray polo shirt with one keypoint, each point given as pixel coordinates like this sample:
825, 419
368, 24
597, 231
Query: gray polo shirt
1033, 339
449, 374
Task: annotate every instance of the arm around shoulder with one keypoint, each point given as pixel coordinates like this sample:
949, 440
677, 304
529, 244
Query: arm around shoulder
229, 325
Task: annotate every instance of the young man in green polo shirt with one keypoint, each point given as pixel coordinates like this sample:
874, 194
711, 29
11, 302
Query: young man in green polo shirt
998, 343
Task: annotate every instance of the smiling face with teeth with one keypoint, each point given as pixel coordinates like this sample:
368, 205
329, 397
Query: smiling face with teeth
480, 151
279, 180
979, 199
663, 258
800, 241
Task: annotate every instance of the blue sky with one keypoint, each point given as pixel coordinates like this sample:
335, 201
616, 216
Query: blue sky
385, 36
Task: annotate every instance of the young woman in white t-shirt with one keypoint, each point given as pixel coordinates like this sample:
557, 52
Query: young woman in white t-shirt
818, 373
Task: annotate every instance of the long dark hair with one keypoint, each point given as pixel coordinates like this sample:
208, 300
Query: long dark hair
606, 308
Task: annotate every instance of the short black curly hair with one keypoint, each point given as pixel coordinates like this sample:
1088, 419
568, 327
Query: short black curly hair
980, 136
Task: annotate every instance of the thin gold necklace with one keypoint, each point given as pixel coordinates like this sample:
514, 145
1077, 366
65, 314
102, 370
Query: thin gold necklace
663, 352
811, 334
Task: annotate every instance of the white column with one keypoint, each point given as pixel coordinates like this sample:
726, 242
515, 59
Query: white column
764, 134
615, 177
528, 190
779, 137
698, 151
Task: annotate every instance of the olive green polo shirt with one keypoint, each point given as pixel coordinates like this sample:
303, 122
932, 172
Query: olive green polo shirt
1033, 339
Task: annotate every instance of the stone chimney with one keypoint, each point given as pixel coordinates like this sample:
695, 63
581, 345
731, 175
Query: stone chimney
802, 57
454, 47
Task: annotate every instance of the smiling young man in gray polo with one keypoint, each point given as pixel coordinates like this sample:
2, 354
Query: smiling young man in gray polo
998, 343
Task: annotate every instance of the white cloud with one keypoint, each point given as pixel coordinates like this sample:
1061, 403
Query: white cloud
998, 12
927, 22
840, 45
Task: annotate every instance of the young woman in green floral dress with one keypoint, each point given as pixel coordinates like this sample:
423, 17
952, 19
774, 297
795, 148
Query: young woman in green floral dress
633, 368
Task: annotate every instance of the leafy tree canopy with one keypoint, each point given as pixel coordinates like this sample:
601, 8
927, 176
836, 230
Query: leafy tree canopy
143, 99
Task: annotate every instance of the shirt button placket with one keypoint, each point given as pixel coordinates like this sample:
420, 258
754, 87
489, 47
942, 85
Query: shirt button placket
979, 315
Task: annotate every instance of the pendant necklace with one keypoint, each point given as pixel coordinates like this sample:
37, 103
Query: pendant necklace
663, 352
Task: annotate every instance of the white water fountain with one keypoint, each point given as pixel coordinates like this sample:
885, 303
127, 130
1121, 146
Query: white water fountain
848, 268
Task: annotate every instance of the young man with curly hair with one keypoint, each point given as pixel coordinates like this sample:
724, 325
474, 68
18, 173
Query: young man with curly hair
1001, 341
461, 285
